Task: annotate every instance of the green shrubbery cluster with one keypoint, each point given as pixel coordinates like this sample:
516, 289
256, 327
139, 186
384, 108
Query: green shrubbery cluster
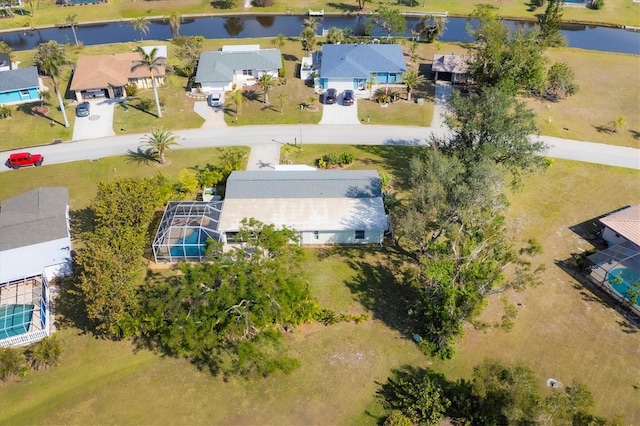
330, 160
5, 112
131, 89
597, 4
15, 362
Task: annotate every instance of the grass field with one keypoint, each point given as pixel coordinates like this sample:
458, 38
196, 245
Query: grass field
619, 12
563, 330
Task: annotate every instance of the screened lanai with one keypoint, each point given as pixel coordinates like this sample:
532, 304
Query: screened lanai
184, 230
617, 268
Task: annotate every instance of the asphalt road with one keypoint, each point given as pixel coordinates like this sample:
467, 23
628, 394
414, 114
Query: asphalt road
314, 134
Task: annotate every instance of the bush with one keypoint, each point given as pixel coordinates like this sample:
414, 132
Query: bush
347, 158
131, 89
145, 104
597, 4
5, 112
333, 159
263, 3
12, 363
282, 72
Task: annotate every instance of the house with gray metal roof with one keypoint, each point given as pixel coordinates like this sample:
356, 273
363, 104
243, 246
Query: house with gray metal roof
19, 86
34, 235
350, 66
324, 207
235, 66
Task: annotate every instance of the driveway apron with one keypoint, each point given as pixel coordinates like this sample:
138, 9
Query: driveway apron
340, 114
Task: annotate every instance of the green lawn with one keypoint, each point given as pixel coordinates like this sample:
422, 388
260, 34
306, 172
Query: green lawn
81, 177
619, 12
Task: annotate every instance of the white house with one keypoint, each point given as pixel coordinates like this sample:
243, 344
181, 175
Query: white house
220, 71
621, 226
324, 207
34, 235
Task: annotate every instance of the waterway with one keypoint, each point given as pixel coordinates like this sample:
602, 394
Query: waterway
249, 26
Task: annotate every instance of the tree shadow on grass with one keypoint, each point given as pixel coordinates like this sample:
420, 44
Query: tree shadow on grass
396, 159
344, 7
82, 221
142, 156
69, 307
27, 109
378, 285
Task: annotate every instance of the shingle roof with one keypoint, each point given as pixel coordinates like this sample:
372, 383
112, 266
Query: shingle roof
360, 60
625, 222
22, 78
303, 184
102, 71
34, 217
219, 65
458, 64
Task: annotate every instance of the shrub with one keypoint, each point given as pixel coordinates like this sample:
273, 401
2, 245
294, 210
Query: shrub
131, 89
145, 104
282, 72
333, 159
5, 112
45, 353
597, 4
347, 158
326, 316
12, 363
263, 3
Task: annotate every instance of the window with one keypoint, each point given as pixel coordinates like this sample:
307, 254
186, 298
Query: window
24, 93
247, 72
359, 235
316, 235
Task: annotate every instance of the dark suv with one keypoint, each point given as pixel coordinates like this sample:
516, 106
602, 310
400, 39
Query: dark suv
22, 159
330, 97
347, 97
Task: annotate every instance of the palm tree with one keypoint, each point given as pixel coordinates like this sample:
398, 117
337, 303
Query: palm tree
370, 83
308, 39
279, 41
44, 96
73, 23
282, 97
237, 97
141, 24
46, 353
151, 62
311, 22
618, 123
412, 79
266, 82
160, 140
335, 35
49, 58
175, 19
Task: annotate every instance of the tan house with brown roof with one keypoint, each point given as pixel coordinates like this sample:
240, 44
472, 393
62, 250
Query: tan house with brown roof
105, 76
453, 68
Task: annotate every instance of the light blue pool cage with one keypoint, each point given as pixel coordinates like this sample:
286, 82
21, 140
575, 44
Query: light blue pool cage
24, 311
184, 230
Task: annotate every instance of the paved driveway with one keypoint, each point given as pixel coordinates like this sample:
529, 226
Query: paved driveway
99, 123
340, 114
213, 116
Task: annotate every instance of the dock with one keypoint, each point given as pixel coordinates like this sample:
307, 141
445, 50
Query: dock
316, 12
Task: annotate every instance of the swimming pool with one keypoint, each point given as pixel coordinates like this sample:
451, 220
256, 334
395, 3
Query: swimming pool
190, 246
15, 320
621, 280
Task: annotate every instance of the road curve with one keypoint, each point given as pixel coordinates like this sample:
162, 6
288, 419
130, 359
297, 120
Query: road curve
316, 134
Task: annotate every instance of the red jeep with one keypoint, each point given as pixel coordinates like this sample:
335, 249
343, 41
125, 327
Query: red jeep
21, 159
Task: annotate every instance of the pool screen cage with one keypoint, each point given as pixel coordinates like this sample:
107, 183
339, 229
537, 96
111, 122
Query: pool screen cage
24, 311
184, 230
610, 262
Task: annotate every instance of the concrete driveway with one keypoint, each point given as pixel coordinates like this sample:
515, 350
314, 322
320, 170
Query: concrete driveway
99, 123
340, 114
213, 116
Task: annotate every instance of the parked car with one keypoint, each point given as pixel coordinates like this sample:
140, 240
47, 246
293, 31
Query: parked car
330, 96
22, 159
82, 110
214, 99
347, 97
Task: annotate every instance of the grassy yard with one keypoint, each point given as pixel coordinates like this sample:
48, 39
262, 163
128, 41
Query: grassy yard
563, 329
81, 177
619, 12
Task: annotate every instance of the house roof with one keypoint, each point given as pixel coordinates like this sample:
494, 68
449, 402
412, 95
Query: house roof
625, 222
220, 65
457, 64
34, 217
303, 184
19, 79
360, 60
102, 71
305, 200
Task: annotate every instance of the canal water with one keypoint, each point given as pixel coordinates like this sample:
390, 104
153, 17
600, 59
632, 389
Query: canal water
246, 26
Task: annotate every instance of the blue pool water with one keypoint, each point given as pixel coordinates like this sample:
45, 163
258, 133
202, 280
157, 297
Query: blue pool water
627, 276
15, 320
190, 246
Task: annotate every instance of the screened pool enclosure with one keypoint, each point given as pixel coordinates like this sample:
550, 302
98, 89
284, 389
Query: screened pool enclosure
184, 230
24, 311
